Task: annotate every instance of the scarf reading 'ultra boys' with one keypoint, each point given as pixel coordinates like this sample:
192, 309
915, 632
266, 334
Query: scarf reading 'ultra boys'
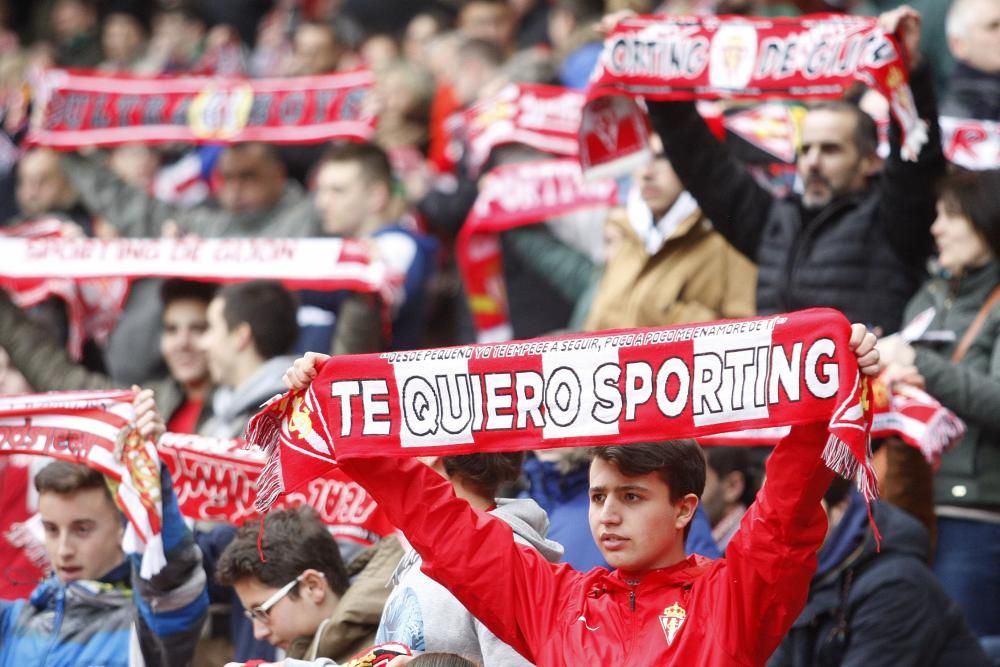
79, 109
608, 388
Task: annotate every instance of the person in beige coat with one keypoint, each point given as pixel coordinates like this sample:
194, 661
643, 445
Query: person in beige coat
666, 264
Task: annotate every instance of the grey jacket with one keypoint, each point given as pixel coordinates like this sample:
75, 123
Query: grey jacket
135, 213
969, 473
232, 407
422, 614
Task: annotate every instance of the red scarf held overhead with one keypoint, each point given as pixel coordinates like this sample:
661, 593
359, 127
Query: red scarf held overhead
95, 428
512, 196
546, 118
913, 415
685, 58
617, 387
80, 109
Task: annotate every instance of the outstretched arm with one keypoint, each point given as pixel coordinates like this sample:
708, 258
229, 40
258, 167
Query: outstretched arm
772, 557
463, 549
737, 206
908, 188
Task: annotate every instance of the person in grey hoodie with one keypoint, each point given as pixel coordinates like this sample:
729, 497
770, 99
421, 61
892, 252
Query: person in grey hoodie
251, 327
420, 612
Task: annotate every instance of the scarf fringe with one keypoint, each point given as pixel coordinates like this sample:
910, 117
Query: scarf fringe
839, 458
944, 431
264, 431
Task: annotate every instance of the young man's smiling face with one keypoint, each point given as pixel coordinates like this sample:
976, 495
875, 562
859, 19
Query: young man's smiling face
633, 520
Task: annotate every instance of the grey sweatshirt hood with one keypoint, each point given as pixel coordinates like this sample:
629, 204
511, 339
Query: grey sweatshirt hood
530, 524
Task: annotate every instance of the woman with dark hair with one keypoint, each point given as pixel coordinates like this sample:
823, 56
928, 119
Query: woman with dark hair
951, 347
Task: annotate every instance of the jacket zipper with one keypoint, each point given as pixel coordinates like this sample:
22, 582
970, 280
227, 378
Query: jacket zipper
631, 600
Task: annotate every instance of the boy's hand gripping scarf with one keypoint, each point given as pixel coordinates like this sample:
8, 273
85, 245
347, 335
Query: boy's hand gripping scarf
95, 428
609, 388
78, 109
685, 58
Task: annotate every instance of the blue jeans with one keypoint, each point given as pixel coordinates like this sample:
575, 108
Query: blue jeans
967, 564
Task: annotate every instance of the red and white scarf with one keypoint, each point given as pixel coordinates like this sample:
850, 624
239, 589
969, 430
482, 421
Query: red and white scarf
95, 428
546, 118
215, 480
92, 275
93, 305
617, 387
78, 109
684, 58
913, 415
512, 196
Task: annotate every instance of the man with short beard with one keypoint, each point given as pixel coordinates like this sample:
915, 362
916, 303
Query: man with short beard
858, 236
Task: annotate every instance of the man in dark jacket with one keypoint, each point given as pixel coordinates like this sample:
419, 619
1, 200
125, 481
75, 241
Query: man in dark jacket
869, 607
855, 239
974, 39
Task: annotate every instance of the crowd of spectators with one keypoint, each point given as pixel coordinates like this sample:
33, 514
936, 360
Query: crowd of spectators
908, 248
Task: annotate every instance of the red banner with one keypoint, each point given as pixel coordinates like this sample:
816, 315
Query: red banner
214, 481
544, 117
81, 109
684, 58
511, 196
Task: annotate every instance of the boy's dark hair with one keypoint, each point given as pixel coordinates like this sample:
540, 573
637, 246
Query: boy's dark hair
976, 195
176, 289
679, 463
485, 472
373, 161
724, 460
865, 128
269, 309
295, 540
65, 477
441, 660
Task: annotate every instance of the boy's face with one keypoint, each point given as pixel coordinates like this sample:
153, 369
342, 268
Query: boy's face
83, 533
633, 521
295, 615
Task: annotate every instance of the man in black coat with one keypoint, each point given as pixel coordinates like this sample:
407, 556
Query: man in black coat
858, 236
869, 607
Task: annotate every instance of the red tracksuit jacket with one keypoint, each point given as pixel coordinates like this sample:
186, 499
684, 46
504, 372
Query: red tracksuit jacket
698, 613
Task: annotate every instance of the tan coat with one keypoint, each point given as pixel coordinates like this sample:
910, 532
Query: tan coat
696, 276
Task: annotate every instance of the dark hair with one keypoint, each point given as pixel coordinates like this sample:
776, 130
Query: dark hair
269, 152
582, 11
480, 49
65, 477
295, 540
838, 490
976, 195
441, 660
679, 463
865, 128
485, 472
372, 160
177, 289
724, 460
268, 308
